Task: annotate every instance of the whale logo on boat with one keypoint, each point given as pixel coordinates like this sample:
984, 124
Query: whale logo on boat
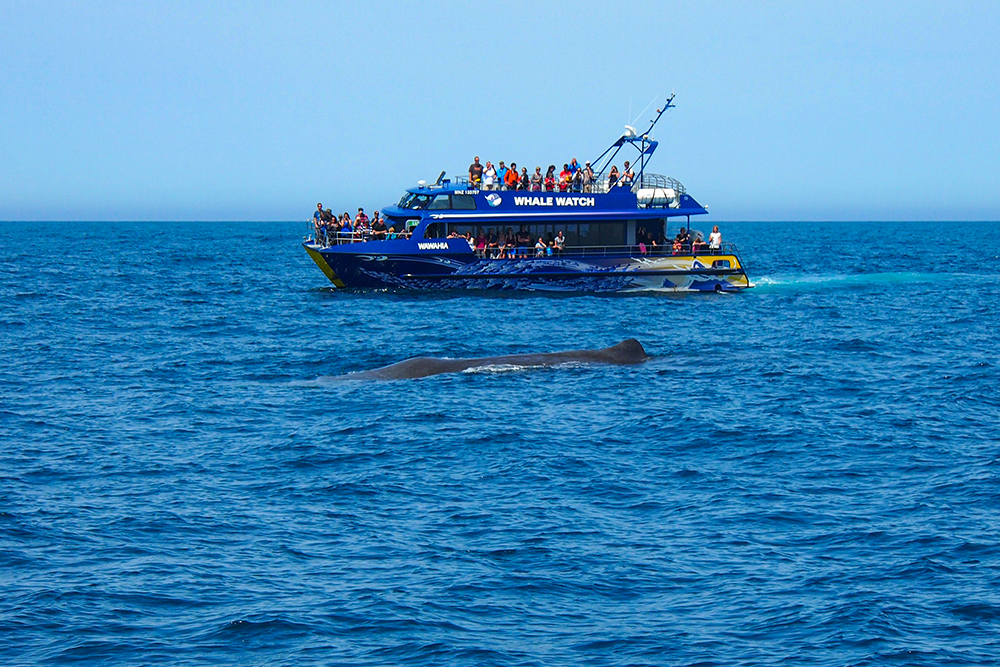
493, 199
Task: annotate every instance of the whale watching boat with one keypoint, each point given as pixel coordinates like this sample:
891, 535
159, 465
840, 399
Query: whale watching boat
605, 235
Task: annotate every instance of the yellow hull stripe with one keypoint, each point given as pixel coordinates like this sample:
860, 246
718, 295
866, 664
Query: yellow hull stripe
324, 267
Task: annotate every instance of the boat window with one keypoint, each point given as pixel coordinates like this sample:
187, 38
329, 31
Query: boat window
611, 233
439, 202
414, 200
463, 202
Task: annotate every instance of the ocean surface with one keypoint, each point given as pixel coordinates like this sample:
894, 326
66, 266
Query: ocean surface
804, 473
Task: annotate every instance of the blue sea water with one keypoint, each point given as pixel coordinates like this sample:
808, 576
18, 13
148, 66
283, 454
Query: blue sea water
804, 473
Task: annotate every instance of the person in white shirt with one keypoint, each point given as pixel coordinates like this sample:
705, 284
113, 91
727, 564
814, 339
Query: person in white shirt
560, 242
489, 176
715, 239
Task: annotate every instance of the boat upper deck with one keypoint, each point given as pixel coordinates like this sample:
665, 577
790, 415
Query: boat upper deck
650, 190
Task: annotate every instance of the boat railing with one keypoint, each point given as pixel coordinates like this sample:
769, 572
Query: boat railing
642, 249
654, 190
637, 250
326, 238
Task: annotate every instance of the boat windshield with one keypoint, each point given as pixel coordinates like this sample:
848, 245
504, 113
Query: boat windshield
414, 200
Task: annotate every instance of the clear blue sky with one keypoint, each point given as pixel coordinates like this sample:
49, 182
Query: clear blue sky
257, 110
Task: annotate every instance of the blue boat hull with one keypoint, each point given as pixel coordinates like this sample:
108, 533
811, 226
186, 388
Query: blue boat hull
422, 271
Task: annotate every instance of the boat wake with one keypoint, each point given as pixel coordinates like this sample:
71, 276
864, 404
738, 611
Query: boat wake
803, 281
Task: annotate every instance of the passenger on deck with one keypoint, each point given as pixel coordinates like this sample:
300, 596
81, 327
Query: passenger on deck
472, 243
475, 173
560, 242
627, 176
536, 180
682, 242
550, 178
523, 241
511, 178
481, 243
715, 239
362, 227
588, 178
565, 178
525, 181
505, 245
318, 223
379, 230
578, 181
650, 241
574, 166
501, 175
492, 243
612, 177
391, 234
539, 247
698, 243
489, 176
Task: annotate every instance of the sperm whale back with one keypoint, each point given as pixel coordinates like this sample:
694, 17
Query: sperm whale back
624, 353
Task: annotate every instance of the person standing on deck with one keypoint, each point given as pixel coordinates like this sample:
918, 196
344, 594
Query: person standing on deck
588, 178
511, 178
475, 173
536, 180
715, 239
627, 176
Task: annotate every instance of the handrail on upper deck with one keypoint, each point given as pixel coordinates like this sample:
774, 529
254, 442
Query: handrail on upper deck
671, 187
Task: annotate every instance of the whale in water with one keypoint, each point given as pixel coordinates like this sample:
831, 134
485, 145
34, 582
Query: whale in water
625, 353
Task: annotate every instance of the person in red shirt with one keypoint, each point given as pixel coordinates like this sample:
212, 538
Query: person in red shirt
510, 178
565, 178
550, 178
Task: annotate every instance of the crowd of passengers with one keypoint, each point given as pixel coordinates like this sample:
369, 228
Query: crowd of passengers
572, 178
330, 228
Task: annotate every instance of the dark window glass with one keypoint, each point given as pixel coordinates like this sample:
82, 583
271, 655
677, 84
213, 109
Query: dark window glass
439, 202
612, 233
571, 232
463, 202
415, 201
